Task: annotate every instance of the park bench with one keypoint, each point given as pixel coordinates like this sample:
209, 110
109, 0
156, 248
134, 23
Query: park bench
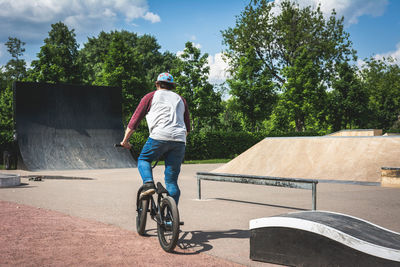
308, 184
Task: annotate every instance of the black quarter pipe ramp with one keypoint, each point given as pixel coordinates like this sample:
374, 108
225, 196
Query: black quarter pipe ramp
61, 127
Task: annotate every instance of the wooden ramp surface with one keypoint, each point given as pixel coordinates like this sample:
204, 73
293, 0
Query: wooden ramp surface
340, 158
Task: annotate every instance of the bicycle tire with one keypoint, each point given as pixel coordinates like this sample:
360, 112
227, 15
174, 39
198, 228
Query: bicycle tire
141, 215
168, 231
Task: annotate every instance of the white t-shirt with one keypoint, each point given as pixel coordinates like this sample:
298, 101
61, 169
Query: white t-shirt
167, 115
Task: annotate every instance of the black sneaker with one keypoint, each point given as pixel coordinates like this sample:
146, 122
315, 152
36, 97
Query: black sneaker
148, 189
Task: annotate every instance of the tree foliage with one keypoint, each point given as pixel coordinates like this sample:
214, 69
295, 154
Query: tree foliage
297, 49
253, 91
15, 68
125, 60
290, 70
191, 75
381, 80
58, 58
348, 100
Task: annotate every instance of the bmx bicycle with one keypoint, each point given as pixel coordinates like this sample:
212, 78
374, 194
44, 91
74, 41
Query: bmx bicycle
163, 211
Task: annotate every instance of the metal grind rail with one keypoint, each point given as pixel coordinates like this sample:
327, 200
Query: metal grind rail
308, 184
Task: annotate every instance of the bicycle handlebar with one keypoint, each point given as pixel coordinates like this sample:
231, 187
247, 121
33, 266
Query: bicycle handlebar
133, 152
135, 155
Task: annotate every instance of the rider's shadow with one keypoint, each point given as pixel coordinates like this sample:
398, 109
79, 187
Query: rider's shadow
194, 242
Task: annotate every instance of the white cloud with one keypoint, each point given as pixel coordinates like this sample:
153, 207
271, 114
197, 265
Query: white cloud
152, 17
4, 55
179, 53
350, 9
360, 63
218, 69
44, 11
31, 19
109, 13
353, 9
393, 54
2, 50
198, 46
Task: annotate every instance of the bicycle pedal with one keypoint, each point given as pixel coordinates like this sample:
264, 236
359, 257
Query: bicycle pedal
181, 223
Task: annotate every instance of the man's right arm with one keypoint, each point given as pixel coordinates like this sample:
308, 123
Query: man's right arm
141, 111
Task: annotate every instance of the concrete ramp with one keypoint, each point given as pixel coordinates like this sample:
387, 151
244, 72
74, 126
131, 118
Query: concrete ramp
319, 238
358, 132
62, 127
342, 158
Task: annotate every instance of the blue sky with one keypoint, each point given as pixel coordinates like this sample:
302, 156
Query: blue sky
374, 25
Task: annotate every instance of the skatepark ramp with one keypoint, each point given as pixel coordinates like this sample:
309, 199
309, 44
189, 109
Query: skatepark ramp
356, 159
61, 127
320, 238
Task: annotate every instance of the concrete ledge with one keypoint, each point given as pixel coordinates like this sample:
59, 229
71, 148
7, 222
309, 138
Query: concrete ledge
9, 180
390, 177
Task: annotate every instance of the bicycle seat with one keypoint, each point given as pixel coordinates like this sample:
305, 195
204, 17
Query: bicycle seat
161, 189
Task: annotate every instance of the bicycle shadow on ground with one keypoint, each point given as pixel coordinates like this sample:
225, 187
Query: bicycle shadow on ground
195, 242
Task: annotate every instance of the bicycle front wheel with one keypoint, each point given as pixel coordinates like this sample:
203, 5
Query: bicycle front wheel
168, 229
141, 215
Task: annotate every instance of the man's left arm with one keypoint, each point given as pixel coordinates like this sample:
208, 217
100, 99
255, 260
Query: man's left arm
186, 117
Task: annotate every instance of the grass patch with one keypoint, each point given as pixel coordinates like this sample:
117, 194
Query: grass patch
205, 161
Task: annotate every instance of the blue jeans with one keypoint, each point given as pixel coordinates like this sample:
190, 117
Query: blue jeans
173, 152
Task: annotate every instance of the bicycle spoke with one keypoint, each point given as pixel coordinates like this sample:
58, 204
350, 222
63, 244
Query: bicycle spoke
168, 230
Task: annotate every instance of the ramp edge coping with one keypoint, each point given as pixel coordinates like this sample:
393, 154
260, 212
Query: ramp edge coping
331, 233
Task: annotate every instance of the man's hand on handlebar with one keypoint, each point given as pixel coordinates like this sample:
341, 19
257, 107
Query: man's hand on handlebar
126, 145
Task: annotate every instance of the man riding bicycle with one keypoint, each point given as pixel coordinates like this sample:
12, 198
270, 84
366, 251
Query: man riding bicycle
167, 116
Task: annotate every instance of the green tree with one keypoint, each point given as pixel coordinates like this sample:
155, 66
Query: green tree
6, 115
15, 69
58, 57
122, 68
253, 91
3, 79
6, 108
285, 44
231, 118
125, 60
304, 95
191, 76
348, 100
381, 78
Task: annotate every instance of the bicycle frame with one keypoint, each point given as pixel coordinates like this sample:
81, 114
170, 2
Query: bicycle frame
164, 212
154, 207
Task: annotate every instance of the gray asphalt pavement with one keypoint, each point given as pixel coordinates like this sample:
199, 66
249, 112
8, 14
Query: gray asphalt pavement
218, 224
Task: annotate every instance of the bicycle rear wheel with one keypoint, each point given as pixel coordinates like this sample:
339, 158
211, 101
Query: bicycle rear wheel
141, 215
168, 229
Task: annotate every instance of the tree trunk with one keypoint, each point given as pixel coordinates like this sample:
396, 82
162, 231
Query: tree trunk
299, 124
